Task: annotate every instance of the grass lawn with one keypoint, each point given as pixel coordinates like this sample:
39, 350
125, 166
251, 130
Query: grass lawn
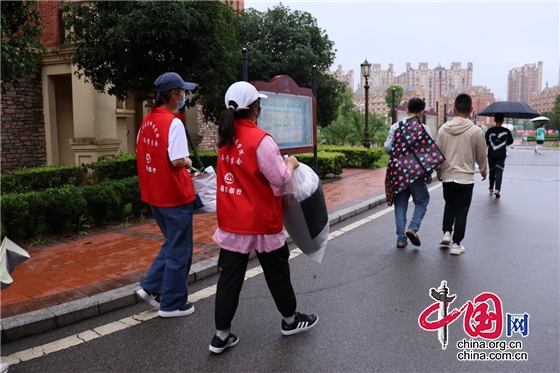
382, 162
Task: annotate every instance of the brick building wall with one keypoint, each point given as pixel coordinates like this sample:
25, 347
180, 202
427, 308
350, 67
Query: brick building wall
50, 17
544, 101
208, 131
23, 130
481, 98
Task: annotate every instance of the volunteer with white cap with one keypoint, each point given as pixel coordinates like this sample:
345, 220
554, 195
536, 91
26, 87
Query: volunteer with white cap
251, 178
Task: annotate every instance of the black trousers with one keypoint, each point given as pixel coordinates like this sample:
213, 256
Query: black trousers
496, 166
458, 199
276, 273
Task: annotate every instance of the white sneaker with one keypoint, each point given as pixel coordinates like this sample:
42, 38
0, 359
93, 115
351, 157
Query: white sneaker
4, 367
151, 298
457, 249
446, 240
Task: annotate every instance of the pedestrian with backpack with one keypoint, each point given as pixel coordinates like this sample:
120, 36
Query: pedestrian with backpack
417, 189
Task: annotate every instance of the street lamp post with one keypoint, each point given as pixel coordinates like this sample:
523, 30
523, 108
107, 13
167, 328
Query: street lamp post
393, 119
366, 70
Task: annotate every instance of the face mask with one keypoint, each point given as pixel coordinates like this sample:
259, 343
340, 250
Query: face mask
258, 111
181, 103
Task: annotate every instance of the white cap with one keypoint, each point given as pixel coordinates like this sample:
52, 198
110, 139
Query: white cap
242, 94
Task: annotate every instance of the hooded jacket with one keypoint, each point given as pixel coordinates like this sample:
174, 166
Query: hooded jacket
462, 144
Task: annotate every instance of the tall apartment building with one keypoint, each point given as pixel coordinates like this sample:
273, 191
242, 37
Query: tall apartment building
381, 78
429, 84
345, 77
436, 82
524, 81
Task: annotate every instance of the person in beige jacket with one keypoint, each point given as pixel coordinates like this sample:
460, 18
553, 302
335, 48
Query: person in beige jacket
463, 144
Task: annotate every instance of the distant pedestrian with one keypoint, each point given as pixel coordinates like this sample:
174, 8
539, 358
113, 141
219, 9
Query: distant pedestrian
251, 178
497, 139
418, 189
525, 137
462, 143
162, 157
539, 136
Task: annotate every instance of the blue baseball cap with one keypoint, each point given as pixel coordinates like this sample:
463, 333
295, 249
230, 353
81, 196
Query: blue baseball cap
169, 81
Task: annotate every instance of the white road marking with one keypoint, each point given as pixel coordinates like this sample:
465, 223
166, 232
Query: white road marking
88, 335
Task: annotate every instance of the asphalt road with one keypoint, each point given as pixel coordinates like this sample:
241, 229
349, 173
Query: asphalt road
369, 296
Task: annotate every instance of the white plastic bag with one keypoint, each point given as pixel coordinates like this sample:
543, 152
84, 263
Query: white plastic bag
304, 182
305, 213
204, 184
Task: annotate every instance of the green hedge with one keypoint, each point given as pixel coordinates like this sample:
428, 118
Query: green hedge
546, 138
54, 210
356, 157
124, 166
62, 206
53, 198
119, 167
207, 157
328, 162
43, 177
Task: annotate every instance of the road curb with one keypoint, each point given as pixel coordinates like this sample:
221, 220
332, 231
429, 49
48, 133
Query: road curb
40, 321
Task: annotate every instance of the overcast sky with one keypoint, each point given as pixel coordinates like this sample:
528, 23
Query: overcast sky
495, 36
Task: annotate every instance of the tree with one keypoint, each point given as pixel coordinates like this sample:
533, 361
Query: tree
21, 26
123, 46
554, 115
348, 127
389, 97
285, 42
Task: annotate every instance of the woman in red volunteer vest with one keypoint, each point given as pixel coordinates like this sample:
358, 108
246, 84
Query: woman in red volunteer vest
251, 178
162, 158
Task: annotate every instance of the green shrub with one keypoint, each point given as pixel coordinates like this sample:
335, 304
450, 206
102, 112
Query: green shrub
546, 138
208, 158
132, 196
119, 167
22, 213
101, 201
116, 212
328, 162
62, 206
356, 157
39, 178
35, 214
15, 208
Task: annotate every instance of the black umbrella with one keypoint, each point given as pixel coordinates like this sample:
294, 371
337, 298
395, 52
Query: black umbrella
510, 109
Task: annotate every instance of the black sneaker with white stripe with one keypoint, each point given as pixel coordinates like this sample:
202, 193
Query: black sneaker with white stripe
301, 323
218, 345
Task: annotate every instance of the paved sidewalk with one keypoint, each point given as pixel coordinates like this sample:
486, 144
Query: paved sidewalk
65, 282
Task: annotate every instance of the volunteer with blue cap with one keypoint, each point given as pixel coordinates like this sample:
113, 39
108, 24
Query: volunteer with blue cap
162, 157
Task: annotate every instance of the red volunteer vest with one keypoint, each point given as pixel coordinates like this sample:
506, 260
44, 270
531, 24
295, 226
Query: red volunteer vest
245, 201
161, 183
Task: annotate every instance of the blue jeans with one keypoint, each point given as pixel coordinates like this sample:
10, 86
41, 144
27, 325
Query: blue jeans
170, 268
421, 198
